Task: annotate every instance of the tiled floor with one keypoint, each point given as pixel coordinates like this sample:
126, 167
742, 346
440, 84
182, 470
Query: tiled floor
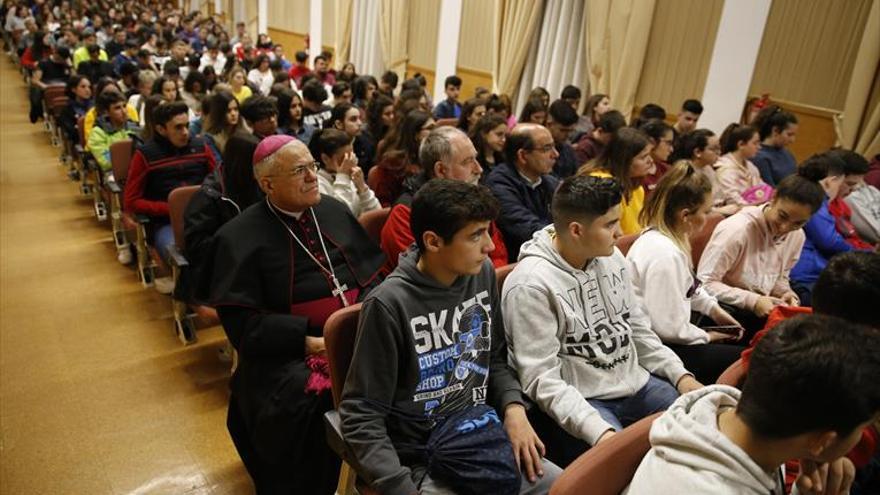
97, 395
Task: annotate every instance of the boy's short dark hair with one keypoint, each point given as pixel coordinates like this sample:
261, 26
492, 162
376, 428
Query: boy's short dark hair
611, 121
692, 106
339, 88
582, 198
164, 113
320, 57
107, 99
570, 93
314, 91
259, 107
390, 78
846, 286
301, 56
562, 113
812, 373
854, 163
445, 206
452, 80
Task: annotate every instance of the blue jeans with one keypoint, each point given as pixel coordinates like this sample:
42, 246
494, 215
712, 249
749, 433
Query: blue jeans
563, 448
655, 396
163, 239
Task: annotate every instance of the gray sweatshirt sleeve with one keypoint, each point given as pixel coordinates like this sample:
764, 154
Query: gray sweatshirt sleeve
532, 327
371, 380
653, 355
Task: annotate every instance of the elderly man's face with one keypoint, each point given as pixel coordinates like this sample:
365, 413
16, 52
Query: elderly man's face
293, 184
463, 164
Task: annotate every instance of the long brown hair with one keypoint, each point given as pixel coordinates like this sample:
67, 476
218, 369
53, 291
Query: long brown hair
617, 157
682, 187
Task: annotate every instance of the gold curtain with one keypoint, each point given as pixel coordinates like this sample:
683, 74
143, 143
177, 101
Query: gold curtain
344, 14
394, 35
808, 50
858, 127
516, 26
617, 40
679, 51
474, 40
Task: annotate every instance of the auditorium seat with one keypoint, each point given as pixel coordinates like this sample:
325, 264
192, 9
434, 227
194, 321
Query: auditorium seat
607, 468
501, 274
699, 241
184, 323
340, 333
373, 221
120, 159
626, 242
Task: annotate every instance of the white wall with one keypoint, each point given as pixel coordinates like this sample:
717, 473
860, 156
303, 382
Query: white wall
733, 61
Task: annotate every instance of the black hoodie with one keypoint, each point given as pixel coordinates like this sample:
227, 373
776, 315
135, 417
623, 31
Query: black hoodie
422, 349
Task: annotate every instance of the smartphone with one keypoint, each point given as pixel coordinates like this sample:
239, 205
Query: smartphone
735, 331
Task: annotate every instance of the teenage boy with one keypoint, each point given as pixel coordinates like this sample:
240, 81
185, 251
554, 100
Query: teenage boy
449, 108
803, 399
582, 347
431, 344
561, 119
687, 118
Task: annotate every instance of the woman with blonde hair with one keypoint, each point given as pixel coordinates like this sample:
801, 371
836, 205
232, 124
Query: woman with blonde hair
663, 277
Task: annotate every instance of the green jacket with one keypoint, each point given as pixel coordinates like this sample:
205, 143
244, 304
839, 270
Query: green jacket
103, 135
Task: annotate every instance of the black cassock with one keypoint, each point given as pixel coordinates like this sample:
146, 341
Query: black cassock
270, 295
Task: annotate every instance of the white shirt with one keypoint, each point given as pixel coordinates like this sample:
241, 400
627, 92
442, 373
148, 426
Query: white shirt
662, 279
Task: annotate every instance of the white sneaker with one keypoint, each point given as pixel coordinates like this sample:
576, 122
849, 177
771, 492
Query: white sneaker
123, 256
164, 285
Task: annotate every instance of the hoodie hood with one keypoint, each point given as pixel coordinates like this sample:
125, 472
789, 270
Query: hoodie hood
688, 450
541, 246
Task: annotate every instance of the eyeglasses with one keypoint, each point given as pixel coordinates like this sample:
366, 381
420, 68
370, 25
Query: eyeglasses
299, 171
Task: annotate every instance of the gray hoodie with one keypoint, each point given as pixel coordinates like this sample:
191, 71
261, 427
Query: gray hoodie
425, 350
576, 334
690, 455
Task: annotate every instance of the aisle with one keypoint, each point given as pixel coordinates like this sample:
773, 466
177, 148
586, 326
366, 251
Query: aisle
97, 395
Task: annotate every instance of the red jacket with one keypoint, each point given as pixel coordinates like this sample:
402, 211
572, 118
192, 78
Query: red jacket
157, 168
842, 214
397, 236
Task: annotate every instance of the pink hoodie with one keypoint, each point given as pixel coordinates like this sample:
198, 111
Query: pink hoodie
734, 179
744, 261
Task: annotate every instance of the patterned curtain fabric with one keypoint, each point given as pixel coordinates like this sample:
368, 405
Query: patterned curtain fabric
344, 13
394, 35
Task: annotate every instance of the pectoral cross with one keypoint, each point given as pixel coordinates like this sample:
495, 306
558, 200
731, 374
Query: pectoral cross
339, 290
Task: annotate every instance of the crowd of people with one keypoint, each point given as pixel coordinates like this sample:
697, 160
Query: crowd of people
608, 316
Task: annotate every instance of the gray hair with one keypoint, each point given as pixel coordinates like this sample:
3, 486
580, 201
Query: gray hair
268, 165
437, 147
147, 77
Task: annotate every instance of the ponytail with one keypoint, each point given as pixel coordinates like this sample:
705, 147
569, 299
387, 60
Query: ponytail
735, 134
682, 187
687, 144
773, 117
